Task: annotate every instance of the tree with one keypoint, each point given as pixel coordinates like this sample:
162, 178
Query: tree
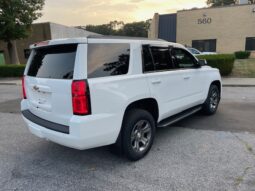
16, 18
105, 29
135, 29
217, 3
116, 25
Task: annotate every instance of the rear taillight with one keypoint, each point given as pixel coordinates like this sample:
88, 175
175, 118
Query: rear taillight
24, 88
80, 98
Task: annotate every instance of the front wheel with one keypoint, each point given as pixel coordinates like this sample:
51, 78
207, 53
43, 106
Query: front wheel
138, 134
211, 104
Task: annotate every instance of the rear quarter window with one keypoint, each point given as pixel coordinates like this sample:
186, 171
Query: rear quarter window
108, 59
56, 62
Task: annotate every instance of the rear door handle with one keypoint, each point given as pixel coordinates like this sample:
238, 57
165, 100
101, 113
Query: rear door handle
156, 82
186, 78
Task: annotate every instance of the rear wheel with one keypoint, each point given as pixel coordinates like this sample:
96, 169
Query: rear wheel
138, 134
211, 104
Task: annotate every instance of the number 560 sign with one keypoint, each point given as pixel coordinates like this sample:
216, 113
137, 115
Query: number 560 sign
204, 21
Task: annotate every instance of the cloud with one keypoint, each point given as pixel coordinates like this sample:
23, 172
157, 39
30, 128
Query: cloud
83, 12
136, 1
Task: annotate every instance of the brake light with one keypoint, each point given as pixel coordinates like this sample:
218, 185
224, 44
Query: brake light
43, 43
80, 98
24, 88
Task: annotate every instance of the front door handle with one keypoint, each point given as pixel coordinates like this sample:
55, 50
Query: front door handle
186, 78
156, 82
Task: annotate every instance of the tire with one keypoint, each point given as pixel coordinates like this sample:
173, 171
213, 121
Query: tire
138, 131
212, 102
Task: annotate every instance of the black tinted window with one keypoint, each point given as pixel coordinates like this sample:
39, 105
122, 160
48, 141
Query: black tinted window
162, 59
250, 44
147, 60
182, 58
108, 59
205, 45
27, 53
55, 62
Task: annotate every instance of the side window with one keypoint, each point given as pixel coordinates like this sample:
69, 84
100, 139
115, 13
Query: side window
162, 58
156, 59
182, 58
108, 59
148, 65
27, 53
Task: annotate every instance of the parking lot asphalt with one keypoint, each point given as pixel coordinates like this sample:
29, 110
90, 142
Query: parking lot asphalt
197, 153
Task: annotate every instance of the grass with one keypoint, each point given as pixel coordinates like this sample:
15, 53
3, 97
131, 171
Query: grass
244, 68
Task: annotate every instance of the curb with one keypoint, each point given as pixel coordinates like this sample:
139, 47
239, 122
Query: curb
239, 85
10, 83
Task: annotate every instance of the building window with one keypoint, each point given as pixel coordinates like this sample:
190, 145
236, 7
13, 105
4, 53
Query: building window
27, 53
205, 45
250, 43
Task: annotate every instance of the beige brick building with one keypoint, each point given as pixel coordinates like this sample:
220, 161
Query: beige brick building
222, 29
41, 32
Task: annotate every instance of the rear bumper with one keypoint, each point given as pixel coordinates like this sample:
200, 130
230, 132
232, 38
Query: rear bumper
84, 131
47, 124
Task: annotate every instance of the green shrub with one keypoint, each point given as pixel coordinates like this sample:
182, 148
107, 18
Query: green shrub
242, 54
224, 62
12, 70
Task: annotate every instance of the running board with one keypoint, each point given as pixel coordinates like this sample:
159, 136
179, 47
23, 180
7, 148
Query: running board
175, 118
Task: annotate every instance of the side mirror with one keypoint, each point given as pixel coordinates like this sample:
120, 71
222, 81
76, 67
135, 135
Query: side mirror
202, 62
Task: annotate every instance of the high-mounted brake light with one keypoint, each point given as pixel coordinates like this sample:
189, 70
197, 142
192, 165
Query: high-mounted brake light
80, 98
24, 88
43, 43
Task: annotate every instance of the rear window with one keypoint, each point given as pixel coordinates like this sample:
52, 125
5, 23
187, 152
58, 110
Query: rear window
56, 62
108, 59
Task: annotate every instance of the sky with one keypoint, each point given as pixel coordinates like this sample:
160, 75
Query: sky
84, 12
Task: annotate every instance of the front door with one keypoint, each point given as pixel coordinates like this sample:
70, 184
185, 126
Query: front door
165, 80
194, 77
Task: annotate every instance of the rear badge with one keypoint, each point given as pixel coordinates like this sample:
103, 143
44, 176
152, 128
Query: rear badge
35, 88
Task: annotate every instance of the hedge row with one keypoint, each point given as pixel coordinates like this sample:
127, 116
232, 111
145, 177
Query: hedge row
224, 62
242, 54
12, 70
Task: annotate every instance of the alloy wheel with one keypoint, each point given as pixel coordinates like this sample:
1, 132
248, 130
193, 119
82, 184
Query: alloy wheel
141, 136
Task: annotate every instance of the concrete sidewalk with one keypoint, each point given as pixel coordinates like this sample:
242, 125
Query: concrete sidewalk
238, 82
227, 82
10, 81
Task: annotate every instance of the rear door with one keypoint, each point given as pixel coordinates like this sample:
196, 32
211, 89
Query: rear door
48, 82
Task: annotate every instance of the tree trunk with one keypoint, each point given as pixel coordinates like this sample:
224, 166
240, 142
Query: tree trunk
13, 53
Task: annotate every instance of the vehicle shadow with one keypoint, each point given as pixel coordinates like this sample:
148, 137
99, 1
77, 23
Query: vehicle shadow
45, 159
47, 156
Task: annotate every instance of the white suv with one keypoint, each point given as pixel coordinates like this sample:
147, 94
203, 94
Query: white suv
95, 91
